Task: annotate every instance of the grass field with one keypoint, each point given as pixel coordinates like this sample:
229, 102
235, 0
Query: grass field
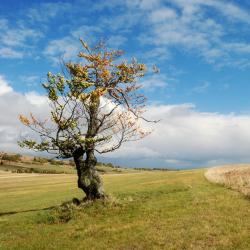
151, 210
233, 176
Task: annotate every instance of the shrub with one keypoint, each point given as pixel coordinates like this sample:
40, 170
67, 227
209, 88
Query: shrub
10, 157
72, 163
56, 162
53, 162
40, 160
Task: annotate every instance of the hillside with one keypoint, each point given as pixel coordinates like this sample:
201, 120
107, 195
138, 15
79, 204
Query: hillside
27, 164
148, 210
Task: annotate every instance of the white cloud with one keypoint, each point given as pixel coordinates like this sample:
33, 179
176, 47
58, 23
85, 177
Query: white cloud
154, 82
162, 15
184, 137
160, 53
29, 80
116, 41
194, 31
36, 99
12, 104
66, 48
230, 10
4, 86
122, 23
190, 31
14, 40
3, 23
88, 32
187, 137
143, 4
19, 36
10, 53
200, 88
46, 11
239, 47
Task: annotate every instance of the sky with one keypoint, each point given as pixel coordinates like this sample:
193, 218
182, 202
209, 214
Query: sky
201, 94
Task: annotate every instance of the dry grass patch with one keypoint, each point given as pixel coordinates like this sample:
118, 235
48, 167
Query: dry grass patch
234, 176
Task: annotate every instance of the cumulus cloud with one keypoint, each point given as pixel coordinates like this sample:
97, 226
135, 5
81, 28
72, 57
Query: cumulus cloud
185, 137
12, 104
4, 86
36, 99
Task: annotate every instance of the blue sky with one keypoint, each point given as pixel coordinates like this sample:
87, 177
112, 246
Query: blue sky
202, 49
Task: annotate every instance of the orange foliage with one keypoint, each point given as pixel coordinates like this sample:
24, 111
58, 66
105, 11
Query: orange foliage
24, 120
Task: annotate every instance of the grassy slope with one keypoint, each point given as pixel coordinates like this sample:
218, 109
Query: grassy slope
158, 210
53, 169
38, 168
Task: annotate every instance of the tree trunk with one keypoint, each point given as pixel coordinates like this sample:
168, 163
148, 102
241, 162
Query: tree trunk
88, 178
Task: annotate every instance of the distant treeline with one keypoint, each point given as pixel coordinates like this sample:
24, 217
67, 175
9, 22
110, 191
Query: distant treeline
110, 165
52, 161
43, 160
10, 157
153, 169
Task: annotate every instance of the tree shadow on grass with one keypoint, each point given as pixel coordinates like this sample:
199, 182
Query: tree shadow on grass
74, 201
25, 211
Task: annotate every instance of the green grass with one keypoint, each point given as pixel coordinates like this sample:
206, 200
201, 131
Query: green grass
153, 210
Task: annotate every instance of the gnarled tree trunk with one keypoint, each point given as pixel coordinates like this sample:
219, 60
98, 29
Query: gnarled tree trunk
88, 178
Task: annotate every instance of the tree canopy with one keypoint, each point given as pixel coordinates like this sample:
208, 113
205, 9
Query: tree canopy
95, 102
96, 105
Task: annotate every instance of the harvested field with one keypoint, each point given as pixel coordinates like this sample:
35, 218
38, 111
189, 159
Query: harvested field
234, 176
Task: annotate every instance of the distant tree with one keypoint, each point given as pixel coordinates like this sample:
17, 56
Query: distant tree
11, 157
71, 163
96, 106
1, 158
40, 160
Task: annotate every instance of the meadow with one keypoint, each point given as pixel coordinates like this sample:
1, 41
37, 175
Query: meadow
146, 210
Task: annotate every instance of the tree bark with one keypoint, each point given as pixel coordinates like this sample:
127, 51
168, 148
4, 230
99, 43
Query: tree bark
89, 179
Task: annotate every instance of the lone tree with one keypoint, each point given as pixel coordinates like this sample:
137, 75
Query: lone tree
95, 105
